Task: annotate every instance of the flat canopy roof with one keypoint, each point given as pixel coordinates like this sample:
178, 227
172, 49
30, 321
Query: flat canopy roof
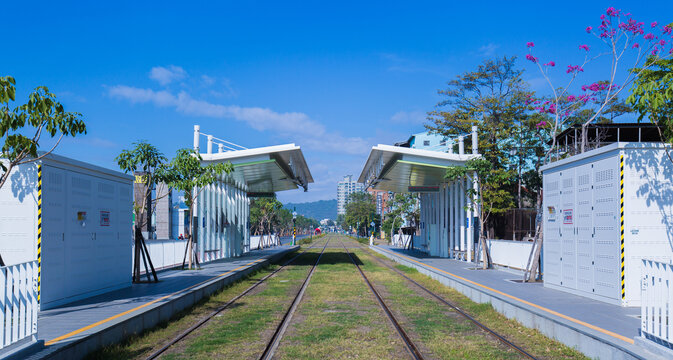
395, 168
266, 169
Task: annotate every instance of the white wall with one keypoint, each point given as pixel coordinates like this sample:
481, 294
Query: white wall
164, 253
18, 215
509, 253
81, 255
254, 240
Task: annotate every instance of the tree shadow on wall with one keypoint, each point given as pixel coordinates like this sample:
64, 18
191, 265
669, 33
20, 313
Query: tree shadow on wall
24, 181
655, 171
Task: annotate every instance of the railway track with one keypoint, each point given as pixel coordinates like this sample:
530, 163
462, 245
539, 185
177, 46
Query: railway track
228, 304
454, 307
408, 343
272, 345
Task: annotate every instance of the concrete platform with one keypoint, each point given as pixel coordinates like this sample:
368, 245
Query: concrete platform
595, 328
74, 330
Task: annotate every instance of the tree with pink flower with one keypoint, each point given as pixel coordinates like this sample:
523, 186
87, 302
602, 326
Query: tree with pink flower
622, 39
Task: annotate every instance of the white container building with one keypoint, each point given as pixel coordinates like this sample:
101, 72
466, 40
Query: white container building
75, 219
604, 211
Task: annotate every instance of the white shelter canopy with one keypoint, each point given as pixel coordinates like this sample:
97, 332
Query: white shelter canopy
395, 168
266, 169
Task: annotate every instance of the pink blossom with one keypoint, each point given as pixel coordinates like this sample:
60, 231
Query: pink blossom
662, 42
612, 11
541, 124
530, 44
654, 24
574, 68
584, 47
584, 88
552, 64
602, 17
635, 46
649, 36
571, 98
531, 58
667, 29
589, 29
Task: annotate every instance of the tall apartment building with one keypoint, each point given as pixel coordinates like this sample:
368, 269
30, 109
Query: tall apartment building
381, 198
345, 188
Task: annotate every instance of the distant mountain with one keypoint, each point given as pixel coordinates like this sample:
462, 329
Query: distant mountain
323, 209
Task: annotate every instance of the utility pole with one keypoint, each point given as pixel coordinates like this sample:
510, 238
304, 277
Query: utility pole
294, 227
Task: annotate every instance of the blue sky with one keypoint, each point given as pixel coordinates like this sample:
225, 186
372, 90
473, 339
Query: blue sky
333, 78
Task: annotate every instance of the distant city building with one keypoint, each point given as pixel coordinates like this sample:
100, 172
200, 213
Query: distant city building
381, 198
425, 141
345, 188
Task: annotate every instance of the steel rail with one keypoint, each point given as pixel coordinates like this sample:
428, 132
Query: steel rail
409, 345
455, 307
272, 345
208, 317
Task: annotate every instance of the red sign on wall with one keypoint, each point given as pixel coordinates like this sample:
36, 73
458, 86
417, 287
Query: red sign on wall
568, 216
104, 218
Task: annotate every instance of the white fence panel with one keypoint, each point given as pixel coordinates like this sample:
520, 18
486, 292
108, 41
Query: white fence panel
255, 239
18, 302
165, 253
513, 254
401, 241
657, 299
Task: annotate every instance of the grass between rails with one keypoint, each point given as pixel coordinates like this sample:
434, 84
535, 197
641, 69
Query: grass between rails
243, 331
530, 340
339, 318
443, 333
141, 345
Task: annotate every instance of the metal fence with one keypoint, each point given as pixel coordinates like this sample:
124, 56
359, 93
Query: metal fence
18, 303
656, 302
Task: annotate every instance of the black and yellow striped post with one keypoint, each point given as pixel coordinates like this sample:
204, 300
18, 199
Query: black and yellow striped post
621, 213
39, 231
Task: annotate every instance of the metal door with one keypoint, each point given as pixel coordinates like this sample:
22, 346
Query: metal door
54, 228
606, 228
80, 266
551, 232
584, 227
568, 248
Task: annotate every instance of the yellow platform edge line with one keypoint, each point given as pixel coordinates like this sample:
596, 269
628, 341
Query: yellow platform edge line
91, 326
580, 322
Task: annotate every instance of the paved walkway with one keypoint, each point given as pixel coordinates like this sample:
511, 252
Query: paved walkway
64, 326
610, 324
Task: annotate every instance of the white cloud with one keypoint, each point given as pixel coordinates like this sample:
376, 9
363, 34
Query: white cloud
166, 75
408, 117
295, 125
488, 50
207, 80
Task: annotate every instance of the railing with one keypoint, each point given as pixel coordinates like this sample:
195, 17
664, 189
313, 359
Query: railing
18, 303
656, 302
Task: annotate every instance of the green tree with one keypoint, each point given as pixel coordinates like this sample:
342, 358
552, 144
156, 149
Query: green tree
493, 97
146, 159
652, 96
186, 173
403, 207
42, 114
489, 197
360, 212
264, 214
